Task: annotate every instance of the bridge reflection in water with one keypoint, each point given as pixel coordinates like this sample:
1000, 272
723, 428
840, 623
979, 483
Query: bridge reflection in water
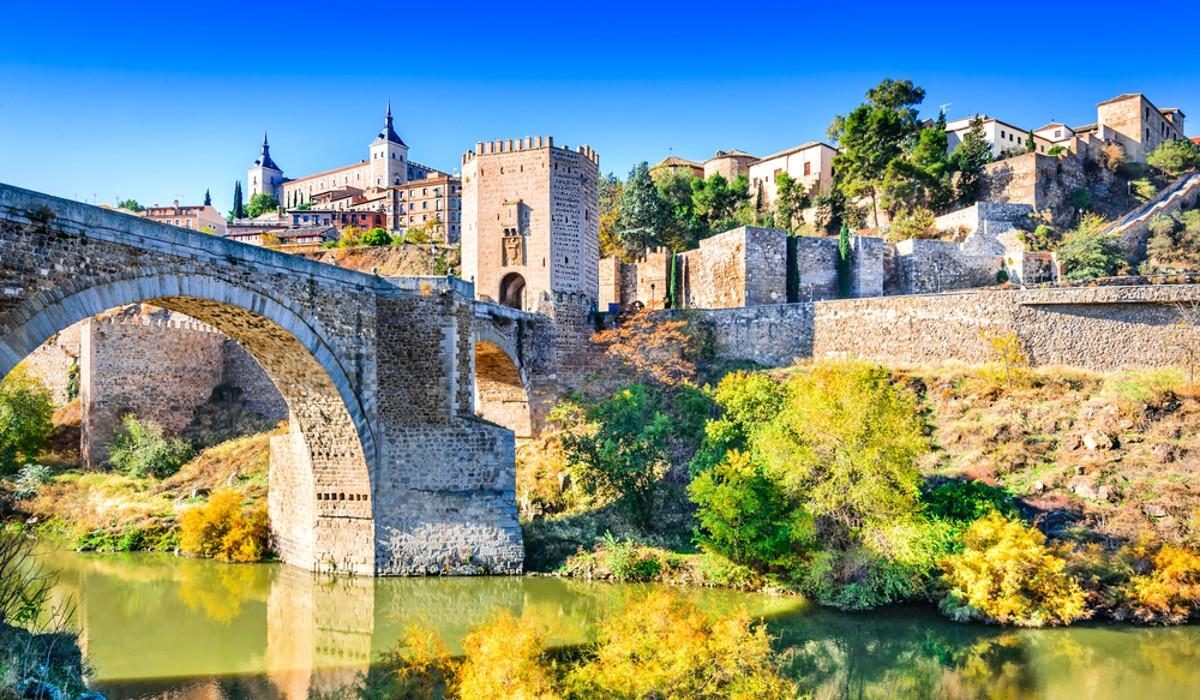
153, 625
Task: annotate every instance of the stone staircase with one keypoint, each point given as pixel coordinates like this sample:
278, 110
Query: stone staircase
1132, 228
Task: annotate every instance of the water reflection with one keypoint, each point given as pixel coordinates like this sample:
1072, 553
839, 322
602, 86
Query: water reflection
155, 625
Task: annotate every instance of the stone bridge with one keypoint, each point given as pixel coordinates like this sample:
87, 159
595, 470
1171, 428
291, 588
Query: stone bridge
387, 468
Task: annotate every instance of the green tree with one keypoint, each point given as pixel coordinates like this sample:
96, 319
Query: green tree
207, 198
843, 262
25, 419
791, 198
1030, 143
715, 200
130, 205
846, 443
238, 211
610, 189
746, 517
622, 451
643, 214
873, 135
260, 204
1088, 252
376, 237
683, 227
968, 160
1175, 157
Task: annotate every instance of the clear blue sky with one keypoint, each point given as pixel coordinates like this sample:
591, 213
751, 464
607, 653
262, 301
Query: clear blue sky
154, 101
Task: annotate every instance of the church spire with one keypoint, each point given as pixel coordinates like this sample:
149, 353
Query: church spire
265, 159
389, 131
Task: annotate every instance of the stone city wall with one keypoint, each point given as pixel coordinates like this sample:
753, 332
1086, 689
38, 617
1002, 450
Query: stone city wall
743, 267
157, 370
926, 266
52, 363
1097, 328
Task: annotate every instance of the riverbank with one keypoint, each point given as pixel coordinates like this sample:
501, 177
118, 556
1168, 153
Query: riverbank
1102, 466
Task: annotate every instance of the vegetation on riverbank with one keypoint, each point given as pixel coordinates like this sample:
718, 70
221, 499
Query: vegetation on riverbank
658, 646
1004, 493
204, 494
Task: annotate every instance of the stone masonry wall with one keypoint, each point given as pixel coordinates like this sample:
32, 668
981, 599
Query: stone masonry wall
927, 266
1097, 328
244, 372
157, 370
51, 363
816, 262
743, 267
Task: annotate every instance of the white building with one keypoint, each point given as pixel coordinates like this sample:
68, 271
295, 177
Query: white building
811, 164
1002, 136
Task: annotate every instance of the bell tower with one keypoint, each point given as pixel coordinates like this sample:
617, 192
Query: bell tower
264, 176
389, 156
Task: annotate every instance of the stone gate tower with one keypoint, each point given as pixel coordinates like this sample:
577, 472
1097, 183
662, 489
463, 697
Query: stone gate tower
530, 226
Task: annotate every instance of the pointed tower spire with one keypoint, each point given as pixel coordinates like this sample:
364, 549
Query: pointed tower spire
265, 159
389, 132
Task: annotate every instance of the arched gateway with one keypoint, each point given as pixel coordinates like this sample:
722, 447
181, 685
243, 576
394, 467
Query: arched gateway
385, 469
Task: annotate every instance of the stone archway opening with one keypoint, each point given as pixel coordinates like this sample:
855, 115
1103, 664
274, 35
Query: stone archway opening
512, 291
320, 495
500, 392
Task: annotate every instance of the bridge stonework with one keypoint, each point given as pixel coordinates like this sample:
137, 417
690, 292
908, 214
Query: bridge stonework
386, 469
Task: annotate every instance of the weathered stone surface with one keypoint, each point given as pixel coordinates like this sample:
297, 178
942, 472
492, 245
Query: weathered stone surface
385, 470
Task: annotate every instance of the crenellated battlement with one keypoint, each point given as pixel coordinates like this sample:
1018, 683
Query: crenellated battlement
528, 143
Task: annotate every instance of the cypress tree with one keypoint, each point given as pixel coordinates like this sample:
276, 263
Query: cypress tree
843, 262
673, 283
207, 198
239, 211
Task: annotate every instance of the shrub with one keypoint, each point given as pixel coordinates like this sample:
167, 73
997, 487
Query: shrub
1170, 590
30, 479
376, 237
26, 419
663, 647
221, 529
1175, 157
504, 659
1081, 198
747, 400
1143, 189
1112, 156
1087, 252
746, 517
962, 502
626, 561
420, 668
913, 223
140, 449
1041, 238
622, 452
1006, 573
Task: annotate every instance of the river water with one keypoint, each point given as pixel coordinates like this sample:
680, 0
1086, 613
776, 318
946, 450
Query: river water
155, 625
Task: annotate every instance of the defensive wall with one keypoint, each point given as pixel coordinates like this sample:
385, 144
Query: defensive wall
1099, 328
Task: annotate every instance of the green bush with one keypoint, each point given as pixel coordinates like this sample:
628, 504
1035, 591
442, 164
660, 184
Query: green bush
621, 452
140, 449
959, 501
627, 561
376, 237
26, 413
746, 517
1088, 252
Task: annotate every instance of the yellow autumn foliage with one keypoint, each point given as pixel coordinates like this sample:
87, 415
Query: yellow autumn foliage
1006, 573
504, 659
222, 529
1170, 591
664, 647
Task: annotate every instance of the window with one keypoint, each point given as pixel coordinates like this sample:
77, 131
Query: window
807, 168
1057, 133
1002, 135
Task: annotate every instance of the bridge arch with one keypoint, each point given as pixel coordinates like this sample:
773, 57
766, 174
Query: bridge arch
501, 381
320, 497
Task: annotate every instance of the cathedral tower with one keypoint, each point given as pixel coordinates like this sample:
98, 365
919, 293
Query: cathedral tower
264, 175
389, 156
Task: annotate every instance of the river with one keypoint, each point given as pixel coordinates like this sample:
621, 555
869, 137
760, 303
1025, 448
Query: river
155, 625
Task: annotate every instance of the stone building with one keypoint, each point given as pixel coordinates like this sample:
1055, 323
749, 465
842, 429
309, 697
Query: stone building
729, 164
197, 217
1133, 121
811, 164
529, 224
404, 193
